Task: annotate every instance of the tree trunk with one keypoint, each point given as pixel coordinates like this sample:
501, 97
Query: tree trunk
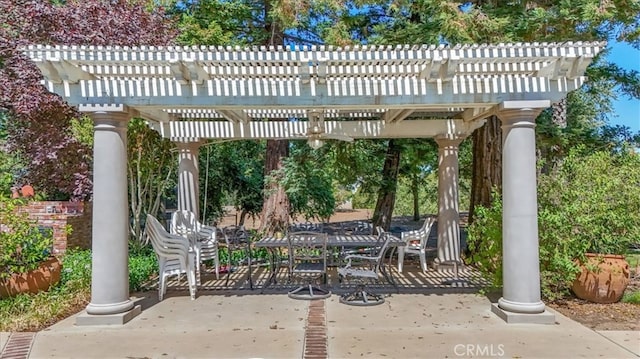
387, 194
487, 164
415, 190
275, 210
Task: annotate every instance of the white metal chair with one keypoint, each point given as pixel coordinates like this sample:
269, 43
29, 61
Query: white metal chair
364, 268
308, 260
202, 237
174, 256
416, 243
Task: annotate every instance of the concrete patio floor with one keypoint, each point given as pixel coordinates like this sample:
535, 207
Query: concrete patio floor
249, 325
423, 319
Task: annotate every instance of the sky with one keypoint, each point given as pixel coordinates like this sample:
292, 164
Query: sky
627, 112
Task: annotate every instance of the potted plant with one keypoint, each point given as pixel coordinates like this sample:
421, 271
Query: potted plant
26, 262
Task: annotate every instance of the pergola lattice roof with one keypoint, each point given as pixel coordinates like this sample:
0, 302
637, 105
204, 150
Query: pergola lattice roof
366, 91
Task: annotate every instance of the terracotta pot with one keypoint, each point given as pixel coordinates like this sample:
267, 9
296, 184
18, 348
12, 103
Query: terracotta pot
606, 284
39, 279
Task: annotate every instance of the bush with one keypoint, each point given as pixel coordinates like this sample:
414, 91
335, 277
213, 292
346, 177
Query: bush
76, 270
484, 242
23, 246
587, 204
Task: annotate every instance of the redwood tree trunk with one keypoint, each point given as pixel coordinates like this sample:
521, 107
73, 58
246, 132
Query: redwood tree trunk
275, 210
387, 194
415, 190
487, 164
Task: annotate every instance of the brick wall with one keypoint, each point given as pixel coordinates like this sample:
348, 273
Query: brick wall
59, 214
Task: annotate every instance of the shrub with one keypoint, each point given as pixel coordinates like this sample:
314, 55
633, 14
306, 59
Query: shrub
587, 204
23, 246
484, 241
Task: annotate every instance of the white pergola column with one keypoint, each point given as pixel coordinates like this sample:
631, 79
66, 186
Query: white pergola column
188, 177
110, 302
520, 300
448, 198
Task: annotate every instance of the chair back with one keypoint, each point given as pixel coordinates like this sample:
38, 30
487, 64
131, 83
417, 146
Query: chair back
426, 230
236, 235
380, 248
307, 252
163, 243
306, 227
184, 222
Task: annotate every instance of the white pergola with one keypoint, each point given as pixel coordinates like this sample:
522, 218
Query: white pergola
189, 94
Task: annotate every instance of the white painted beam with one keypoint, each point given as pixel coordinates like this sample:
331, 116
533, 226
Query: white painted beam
179, 130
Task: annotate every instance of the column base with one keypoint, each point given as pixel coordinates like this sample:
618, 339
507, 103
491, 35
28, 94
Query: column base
545, 317
108, 319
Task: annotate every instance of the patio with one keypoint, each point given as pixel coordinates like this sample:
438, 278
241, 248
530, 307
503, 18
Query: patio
239, 325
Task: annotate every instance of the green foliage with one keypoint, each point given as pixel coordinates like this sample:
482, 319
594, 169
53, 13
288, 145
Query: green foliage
22, 245
150, 167
307, 183
28, 312
484, 241
631, 297
141, 267
233, 174
592, 202
589, 203
76, 270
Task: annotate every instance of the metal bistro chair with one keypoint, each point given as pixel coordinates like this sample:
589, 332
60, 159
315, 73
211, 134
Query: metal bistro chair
364, 268
174, 256
237, 239
308, 259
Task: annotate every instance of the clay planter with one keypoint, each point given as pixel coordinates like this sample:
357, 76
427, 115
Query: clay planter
39, 279
607, 283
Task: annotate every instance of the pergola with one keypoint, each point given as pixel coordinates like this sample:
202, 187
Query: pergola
189, 94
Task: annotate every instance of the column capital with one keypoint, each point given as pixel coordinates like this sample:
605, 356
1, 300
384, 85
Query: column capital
448, 140
519, 117
188, 146
117, 119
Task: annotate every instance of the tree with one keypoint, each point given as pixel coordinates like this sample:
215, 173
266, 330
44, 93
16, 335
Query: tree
150, 171
39, 121
432, 21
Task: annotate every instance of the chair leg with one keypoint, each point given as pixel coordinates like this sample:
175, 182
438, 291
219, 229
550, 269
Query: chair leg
400, 259
423, 262
191, 276
216, 262
162, 286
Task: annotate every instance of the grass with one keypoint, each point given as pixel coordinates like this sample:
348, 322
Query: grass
631, 297
35, 312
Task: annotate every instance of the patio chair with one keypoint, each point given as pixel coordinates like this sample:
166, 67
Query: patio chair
416, 243
237, 239
365, 268
174, 256
306, 227
202, 237
308, 260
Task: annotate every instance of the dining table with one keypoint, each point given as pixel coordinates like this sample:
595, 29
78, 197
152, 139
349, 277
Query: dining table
339, 243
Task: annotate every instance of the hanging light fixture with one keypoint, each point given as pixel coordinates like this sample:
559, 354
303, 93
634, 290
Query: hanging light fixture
315, 142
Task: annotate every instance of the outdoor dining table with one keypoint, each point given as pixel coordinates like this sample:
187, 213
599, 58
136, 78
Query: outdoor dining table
275, 244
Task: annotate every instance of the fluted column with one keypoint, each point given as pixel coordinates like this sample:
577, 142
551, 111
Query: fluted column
188, 177
448, 198
521, 265
110, 232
